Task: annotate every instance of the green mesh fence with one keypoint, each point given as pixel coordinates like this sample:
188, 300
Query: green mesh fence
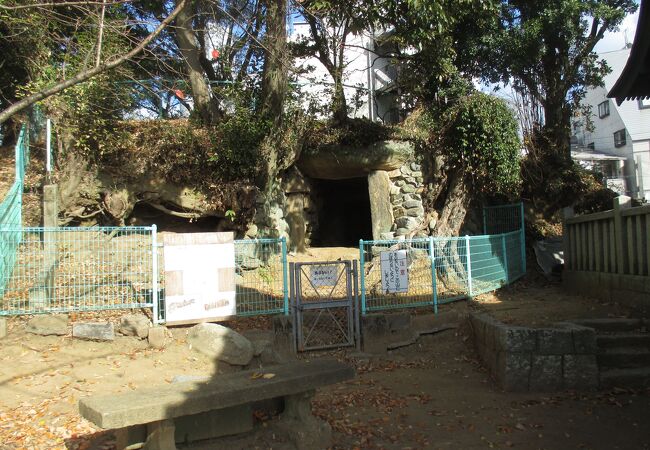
261, 279
445, 269
11, 212
79, 269
418, 263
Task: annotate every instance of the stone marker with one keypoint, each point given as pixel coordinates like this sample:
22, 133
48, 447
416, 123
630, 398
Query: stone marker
94, 331
48, 325
191, 378
221, 343
3, 327
135, 325
157, 337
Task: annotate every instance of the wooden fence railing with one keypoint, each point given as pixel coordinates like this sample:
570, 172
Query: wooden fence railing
615, 241
607, 254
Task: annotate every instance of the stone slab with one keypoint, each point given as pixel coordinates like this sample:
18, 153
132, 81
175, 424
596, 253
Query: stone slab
336, 162
157, 337
515, 339
584, 338
513, 371
580, 372
610, 324
94, 331
214, 424
381, 210
374, 333
554, 341
182, 399
546, 373
48, 325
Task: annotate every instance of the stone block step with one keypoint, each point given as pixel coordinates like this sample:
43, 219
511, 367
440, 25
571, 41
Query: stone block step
624, 358
639, 377
623, 340
610, 325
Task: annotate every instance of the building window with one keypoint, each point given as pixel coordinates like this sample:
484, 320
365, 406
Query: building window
603, 109
591, 146
619, 138
644, 103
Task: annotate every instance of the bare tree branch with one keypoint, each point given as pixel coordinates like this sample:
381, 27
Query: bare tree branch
62, 4
89, 73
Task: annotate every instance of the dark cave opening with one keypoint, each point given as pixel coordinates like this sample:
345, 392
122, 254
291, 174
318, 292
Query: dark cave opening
343, 212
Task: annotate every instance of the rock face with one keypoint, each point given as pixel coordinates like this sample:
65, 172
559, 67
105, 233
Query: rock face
157, 337
340, 162
94, 331
135, 325
380, 207
48, 325
221, 343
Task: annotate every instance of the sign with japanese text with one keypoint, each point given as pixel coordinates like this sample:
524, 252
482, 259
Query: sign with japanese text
323, 275
394, 272
199, 276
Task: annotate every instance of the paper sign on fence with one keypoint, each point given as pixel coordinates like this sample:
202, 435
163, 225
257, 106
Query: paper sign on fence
199, 276
322, 275
394, 272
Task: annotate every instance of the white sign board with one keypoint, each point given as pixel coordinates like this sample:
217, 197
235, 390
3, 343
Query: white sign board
394, 272
199, 276
326, 275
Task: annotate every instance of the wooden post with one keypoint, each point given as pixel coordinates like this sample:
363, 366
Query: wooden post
567, 213
620, 203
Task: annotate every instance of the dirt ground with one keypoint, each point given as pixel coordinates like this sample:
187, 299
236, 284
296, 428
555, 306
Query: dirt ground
535, 301
430, 395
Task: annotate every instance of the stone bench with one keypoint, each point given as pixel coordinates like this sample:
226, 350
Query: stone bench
152, 415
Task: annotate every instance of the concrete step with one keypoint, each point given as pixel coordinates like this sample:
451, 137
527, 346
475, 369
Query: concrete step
610, 325
606, 341
620, 358
639, 377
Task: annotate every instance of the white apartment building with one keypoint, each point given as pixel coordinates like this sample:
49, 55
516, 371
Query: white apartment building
618, 140
369, 75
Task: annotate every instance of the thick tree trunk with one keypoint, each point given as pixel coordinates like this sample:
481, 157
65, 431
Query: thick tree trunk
452, 216
274, 75
451, 254
339, 104
557, 125
204, 105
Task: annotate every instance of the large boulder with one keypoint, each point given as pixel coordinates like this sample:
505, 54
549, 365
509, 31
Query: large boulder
221, 343
135, 325
48, 325
339, 162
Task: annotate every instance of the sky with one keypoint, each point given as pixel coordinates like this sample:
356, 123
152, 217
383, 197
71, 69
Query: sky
616, 40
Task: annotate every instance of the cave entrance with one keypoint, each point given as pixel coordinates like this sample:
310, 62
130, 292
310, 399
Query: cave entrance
343, 212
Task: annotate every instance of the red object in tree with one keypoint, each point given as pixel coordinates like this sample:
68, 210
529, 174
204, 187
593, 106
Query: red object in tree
215, 54
179, 94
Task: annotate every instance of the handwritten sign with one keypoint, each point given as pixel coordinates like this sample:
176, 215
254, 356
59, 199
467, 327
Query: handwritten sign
394, 272
323, 275
199, 276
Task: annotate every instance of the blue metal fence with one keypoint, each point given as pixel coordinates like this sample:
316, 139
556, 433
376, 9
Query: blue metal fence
445, 269
11, 211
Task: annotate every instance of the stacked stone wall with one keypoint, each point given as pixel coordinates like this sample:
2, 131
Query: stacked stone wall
407, 186
537, 359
